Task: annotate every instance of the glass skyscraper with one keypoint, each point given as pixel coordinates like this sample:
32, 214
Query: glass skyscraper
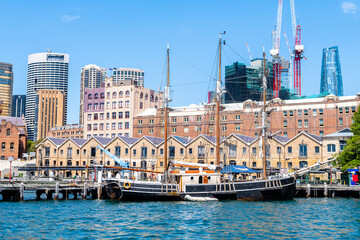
331, 78
18, 106
6, 88
45, 71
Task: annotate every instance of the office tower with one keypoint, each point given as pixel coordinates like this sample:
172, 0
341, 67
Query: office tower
45, 71
6, 88
18, 106
244, 82
91, 77
50, 110
331, 78
121, 74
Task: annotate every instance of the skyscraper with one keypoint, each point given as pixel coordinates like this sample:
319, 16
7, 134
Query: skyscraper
49, 110
6, 88
18, 106
45, 71
331, 78
121, 74
91, 77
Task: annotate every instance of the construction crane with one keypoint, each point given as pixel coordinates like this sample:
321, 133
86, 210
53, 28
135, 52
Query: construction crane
298, 50
247, 46
295, 56
115, 158
275, 52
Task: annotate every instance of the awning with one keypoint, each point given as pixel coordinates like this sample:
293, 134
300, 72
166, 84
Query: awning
237, 169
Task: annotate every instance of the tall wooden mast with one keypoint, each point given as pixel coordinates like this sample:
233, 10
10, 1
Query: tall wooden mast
218, 99
263, 117
166, 104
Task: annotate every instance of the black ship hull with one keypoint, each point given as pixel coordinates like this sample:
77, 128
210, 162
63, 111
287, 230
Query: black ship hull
274, 189
128, 190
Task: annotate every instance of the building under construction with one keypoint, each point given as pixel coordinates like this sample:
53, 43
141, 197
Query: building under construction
243, 82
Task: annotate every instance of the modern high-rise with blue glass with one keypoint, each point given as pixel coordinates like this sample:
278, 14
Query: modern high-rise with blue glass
45, 71
331, 78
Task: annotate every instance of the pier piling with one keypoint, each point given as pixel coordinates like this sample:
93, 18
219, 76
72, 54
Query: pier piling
56, 195
21, 191
85, 191
325, 190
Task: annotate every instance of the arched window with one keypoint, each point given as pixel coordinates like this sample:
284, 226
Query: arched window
141, 95
127, 93
114, 94
232, 162
102, 96
121, 94
8, 132
90, 97
151, 98
156, 99
146, 96
96, 96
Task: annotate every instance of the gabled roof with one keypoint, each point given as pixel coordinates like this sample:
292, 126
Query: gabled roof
210, 138
346, 132
56, 141
78, 141
244, 138
183, 140
312, 136
281, 138
128, 140
18, 121
154, 140
318, 138
103, 140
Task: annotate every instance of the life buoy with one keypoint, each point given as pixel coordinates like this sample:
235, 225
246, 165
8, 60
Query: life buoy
206, 179
127, 185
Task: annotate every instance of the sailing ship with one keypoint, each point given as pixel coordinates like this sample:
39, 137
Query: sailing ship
207, 182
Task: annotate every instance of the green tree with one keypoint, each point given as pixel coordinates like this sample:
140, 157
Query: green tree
31, 146
350, 156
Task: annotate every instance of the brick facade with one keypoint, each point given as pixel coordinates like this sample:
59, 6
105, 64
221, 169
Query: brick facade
13, 137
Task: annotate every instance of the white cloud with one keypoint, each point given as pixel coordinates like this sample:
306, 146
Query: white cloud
349, 7
67, 18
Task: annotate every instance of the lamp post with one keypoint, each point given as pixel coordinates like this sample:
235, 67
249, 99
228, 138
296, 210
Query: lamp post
11, 158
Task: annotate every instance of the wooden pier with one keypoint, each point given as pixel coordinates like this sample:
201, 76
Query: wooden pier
324, 190
16, 190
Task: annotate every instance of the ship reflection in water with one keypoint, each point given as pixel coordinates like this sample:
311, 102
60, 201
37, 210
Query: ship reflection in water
317, 218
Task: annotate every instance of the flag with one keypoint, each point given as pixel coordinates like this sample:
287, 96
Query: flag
110, 69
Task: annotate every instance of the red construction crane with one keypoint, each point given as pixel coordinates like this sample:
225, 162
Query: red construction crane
297, 52
298, 55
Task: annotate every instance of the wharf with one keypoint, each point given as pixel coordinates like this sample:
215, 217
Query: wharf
324, 190
15, 190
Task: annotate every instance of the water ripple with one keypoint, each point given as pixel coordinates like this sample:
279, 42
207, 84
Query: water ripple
334, 218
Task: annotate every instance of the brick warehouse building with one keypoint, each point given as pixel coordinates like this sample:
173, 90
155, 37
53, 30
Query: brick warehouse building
13, 136
319, 116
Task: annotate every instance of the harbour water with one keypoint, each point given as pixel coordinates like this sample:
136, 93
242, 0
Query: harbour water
302, 218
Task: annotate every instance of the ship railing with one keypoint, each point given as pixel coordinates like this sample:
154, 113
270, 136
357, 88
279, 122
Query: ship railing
273, 183
225, 187
169, 187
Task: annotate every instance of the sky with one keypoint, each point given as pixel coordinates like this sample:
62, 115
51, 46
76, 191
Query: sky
134, 34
